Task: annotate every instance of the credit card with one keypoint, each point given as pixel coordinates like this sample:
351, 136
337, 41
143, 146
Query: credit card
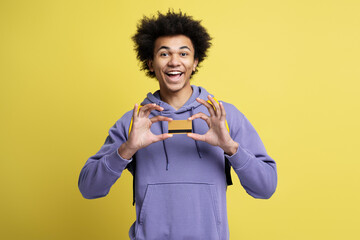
180, 126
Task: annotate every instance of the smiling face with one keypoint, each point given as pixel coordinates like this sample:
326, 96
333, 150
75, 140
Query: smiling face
173, 64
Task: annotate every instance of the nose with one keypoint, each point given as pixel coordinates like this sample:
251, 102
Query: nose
174, 60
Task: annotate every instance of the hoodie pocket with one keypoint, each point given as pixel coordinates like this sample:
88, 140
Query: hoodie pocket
179, 211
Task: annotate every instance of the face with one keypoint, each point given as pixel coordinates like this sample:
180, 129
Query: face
173, 63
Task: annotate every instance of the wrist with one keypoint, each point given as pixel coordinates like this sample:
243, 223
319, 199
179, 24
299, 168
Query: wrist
231, 148
125, 151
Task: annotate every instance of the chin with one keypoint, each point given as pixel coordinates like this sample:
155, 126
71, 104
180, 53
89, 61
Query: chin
175, 87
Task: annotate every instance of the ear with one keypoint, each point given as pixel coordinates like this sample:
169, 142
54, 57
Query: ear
196, 61
149, 63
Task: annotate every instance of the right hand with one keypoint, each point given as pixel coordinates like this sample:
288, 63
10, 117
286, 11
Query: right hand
140, 135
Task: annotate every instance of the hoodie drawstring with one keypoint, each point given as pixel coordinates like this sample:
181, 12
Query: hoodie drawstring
164, 145
193, 126
164, 141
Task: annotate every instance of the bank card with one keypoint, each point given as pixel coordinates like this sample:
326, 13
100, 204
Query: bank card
180, 126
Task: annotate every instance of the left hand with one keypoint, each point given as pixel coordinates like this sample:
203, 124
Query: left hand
218, 134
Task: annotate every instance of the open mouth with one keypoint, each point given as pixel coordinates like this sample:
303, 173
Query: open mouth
174, 74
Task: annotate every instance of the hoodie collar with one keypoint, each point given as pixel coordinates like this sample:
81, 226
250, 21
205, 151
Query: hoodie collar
198, 92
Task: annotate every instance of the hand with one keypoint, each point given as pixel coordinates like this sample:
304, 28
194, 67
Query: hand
140, 135
218, 134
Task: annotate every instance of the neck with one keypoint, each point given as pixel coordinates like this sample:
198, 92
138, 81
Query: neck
176, 99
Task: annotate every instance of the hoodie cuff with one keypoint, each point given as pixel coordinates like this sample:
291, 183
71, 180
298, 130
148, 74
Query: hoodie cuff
115, 162
240, 158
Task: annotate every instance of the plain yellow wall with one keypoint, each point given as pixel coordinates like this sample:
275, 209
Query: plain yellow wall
68, 72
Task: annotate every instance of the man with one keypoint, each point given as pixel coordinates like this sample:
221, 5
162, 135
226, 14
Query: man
180, 180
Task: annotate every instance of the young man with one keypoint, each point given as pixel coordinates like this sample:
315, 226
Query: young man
180, 180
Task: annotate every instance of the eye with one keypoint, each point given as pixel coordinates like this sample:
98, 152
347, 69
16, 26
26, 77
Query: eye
184, 54
164, 54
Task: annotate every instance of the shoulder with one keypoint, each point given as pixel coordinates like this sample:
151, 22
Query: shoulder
232, 112
122, 125
234, 118
126, 117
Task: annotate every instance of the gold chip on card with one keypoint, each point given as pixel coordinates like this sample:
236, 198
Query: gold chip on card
180, 126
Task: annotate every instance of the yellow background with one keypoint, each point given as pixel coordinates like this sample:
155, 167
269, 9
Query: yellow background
68, 72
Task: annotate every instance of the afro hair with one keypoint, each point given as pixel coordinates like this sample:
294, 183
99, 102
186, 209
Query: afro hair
169, 24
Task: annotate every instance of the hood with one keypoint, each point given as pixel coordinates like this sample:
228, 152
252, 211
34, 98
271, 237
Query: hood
198, 92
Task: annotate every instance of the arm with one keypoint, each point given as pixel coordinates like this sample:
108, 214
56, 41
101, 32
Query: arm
242, 147
103, 169
255, 168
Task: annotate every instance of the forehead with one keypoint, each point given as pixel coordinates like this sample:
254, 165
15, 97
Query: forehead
173, 42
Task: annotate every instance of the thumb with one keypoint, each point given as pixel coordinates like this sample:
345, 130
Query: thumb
196, 137
162, 137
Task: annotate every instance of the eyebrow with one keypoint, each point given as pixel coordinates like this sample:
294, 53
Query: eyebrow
167, 48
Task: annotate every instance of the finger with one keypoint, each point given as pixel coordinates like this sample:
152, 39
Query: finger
146, 110
223, 113
135, 111
201, 115
142, 110
160, 118
162, 137
215, 104
196, 137
155, 107
134, 116
207, 105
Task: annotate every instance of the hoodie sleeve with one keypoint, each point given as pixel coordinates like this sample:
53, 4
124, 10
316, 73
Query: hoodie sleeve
254, 167
102, 170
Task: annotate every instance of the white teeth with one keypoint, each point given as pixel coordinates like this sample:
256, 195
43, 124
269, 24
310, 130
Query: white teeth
174, 73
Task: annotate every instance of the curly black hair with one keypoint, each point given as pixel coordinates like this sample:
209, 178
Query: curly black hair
169, 24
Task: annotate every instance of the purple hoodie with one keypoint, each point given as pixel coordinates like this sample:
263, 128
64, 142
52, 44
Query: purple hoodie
180, 184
